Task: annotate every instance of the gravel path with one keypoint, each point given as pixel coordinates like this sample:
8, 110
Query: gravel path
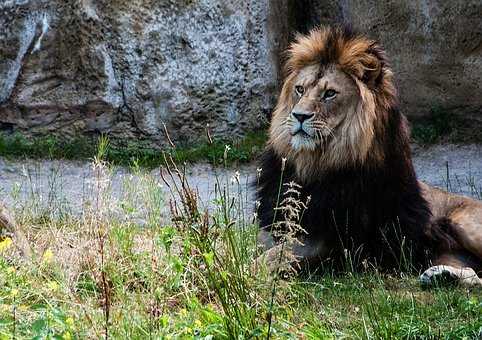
71, 182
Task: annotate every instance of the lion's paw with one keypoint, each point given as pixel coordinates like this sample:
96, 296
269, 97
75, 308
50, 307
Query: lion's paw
440, 275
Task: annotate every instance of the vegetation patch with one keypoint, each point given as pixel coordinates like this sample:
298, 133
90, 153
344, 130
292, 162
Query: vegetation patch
149, 265
442, 126
242, 150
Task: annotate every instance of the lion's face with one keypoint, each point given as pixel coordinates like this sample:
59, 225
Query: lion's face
322, 100
334, 102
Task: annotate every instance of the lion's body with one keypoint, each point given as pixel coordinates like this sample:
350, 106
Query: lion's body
337, 132
463, 218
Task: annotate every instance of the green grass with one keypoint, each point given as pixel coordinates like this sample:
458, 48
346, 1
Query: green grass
133, 268
127, 153
442, 126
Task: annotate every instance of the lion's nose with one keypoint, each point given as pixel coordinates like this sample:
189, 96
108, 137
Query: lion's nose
301, 117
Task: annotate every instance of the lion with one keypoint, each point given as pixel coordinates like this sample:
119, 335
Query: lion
337, 131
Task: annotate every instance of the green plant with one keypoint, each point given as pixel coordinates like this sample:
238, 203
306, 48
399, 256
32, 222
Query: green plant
128, 153
439, 124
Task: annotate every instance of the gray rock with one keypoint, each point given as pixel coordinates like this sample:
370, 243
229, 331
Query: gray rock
128, 66
435, 47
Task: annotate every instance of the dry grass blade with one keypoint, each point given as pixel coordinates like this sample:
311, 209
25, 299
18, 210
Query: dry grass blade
9, 226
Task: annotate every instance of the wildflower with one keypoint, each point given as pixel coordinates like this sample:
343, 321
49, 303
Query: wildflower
187, 330
53, 286
70, 322
198, 324
183, 312
67, 336
5, 244
14, 292
226, 150
47, 256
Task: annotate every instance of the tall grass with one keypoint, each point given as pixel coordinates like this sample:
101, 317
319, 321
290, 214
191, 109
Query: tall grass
154, 261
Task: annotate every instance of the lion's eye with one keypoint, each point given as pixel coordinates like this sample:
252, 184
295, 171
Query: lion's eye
299, 90
329, 94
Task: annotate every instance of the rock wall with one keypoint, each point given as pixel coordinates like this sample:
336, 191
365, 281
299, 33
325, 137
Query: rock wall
128, 67
435, 46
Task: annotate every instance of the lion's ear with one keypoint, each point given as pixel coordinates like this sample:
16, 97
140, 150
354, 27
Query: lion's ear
373, 63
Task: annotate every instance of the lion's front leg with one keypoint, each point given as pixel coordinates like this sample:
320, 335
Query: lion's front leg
453, 267
293, 255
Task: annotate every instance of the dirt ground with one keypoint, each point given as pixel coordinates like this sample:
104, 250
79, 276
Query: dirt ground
71, 182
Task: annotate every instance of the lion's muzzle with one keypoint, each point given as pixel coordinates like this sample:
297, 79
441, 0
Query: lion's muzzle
300, 122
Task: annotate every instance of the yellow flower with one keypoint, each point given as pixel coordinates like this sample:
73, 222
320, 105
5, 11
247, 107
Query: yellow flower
67, 336
198, 324
47, 256
14, 292
53, 286
188, 330
183, 312
5, 244
70, 322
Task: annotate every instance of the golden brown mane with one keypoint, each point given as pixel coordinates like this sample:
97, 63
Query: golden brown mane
359, 137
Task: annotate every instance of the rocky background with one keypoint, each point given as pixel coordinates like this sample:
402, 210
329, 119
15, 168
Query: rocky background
127, 67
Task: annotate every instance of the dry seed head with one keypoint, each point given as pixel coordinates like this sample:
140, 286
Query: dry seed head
283, 163
235, 177
227, 148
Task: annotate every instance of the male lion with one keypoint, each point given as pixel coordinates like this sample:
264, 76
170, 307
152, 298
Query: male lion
337, 132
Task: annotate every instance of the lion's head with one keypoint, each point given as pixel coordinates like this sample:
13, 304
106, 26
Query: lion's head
334, 103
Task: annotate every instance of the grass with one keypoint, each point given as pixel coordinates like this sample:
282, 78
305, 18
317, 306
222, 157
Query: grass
145, 264
126, 153
442, 126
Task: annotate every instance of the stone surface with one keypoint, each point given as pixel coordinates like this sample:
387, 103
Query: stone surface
127, 66
435, 46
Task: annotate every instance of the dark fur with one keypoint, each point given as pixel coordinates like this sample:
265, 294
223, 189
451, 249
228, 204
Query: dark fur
365, 209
